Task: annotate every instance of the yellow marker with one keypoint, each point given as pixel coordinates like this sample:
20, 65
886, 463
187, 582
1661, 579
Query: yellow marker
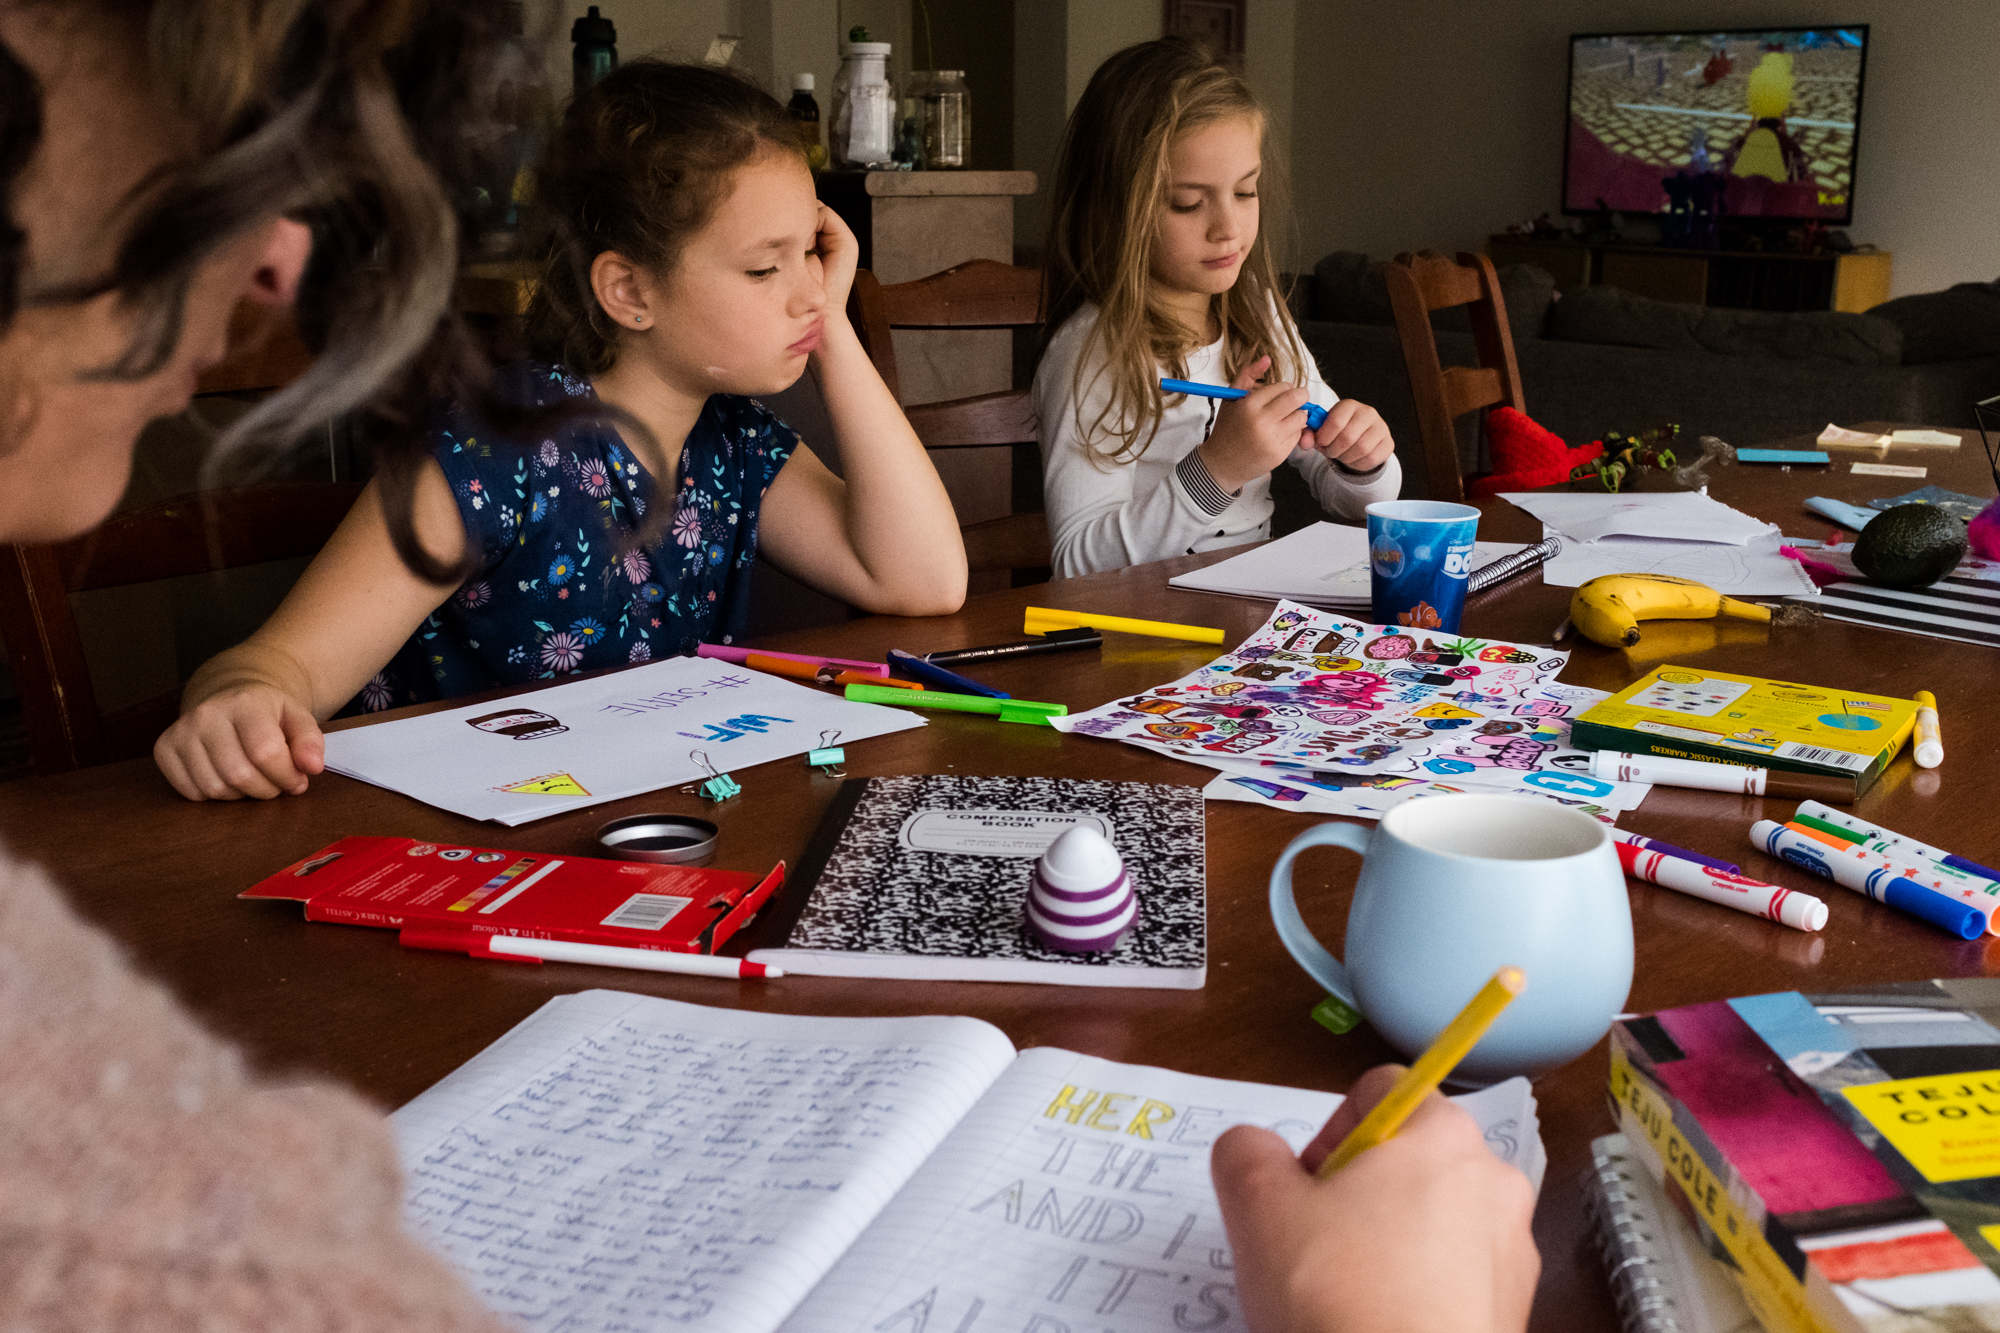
1930, 740
1040, 620
1421, 1079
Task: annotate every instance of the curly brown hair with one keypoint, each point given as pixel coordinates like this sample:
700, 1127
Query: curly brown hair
637, 168
364, 119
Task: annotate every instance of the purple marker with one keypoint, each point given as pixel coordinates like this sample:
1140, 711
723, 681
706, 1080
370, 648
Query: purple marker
1079, 897
1668, 849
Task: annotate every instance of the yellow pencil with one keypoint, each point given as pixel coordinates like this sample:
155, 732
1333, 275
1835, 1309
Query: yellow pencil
1421, 1079
1040, 620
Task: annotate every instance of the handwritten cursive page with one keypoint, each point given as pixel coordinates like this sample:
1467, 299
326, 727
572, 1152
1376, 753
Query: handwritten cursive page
1076, 1195
619, 1161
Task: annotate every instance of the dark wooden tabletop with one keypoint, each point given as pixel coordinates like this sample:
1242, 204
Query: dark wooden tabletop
161, 874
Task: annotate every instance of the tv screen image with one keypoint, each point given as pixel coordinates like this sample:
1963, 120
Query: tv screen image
1769, 114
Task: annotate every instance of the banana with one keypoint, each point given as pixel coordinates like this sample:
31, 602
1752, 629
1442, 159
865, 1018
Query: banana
1608, 610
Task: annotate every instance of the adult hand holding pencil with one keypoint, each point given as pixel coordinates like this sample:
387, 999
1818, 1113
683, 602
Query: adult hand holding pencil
1429, 1230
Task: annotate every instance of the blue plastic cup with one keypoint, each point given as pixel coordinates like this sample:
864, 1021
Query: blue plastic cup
1419, 557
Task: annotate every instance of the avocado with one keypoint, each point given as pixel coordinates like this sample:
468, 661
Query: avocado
1910, 545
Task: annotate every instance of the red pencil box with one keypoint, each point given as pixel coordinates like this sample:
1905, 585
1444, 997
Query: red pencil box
432, 890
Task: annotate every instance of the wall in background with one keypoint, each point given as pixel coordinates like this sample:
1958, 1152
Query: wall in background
1434, 123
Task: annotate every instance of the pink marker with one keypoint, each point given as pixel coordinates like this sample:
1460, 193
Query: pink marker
729, 652
1801, 911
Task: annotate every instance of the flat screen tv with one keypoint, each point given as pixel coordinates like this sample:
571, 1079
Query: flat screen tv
1772, 113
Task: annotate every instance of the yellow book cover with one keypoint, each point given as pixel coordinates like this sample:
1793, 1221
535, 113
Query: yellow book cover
1775, 724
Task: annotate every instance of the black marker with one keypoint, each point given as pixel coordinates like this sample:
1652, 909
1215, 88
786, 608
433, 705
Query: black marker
1055, 641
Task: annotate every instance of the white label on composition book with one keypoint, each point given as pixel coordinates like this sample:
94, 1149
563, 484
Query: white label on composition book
992, 832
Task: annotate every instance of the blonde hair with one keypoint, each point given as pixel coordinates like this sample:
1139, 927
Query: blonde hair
1111, 185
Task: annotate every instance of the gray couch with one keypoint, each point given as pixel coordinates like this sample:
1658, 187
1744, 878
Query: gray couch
1603, 359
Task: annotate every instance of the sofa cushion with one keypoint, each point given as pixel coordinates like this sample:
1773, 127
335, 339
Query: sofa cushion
1348, 288
1624, 319
1951, 325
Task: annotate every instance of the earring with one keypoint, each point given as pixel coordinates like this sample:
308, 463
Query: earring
638, 319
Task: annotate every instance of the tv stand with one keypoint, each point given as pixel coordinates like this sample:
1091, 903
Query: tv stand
1735, 279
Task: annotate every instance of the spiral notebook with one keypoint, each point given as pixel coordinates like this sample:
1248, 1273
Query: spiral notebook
1662, 1276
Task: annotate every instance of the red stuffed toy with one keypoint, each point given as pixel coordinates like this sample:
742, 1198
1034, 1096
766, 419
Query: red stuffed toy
1526, 457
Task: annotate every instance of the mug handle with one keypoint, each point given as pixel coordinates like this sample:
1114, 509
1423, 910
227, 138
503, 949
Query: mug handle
1303, 945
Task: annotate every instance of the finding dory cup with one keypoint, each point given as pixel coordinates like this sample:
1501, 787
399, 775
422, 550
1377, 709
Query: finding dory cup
1452, 889
1419, 557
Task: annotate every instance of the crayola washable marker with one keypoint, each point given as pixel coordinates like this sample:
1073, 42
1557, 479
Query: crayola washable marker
1801, 911
1841, 819
1951, 883
1851, 869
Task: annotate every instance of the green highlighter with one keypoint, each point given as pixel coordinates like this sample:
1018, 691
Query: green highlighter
1009, 710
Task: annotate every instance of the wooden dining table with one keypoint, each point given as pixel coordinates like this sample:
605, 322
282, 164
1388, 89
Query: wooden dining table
161, 874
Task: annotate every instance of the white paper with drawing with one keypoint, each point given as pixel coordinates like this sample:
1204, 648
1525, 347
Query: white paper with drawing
619, 734
620, 1161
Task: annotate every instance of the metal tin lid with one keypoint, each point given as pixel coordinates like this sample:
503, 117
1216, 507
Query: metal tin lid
666, 839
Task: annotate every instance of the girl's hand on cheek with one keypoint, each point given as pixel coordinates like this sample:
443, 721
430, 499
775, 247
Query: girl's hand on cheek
1253, 435
1353, 435
839, 252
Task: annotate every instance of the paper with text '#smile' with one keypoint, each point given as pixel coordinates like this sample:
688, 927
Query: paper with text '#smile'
534, 755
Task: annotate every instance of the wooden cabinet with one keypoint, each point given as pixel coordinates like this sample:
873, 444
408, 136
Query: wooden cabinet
1737, 279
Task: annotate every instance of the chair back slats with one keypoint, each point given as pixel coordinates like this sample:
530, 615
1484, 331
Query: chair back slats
1419, 284
1007, 417
978, 294
206, 531
194, 534
1467, 388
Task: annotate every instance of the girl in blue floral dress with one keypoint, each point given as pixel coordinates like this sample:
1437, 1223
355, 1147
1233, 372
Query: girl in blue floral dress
616, 518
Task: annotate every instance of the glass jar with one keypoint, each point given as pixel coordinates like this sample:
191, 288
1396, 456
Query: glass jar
947, 121
864, 109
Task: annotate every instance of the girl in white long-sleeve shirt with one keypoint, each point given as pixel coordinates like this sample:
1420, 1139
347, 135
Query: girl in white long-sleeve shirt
1155, 267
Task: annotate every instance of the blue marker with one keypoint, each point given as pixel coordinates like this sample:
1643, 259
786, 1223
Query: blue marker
1923, 851
1315, 414
1853, 871
909, 664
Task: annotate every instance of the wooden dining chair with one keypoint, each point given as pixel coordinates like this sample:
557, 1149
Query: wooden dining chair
194, 534
980, 294
1427, 281
199, 533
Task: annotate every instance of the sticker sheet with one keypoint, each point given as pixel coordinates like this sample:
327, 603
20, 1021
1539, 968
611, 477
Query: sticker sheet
1316, 690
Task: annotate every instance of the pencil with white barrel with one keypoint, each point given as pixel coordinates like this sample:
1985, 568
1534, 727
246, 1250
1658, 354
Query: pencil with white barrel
1801, 911
1852, 869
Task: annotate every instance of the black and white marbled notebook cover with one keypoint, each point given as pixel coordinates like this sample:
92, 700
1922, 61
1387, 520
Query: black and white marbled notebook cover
877, 896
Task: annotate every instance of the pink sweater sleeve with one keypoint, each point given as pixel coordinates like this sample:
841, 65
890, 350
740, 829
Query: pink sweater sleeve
151, 1182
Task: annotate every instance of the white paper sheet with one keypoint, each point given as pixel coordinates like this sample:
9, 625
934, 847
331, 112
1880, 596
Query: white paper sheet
1753, 569
512, 761
1324, 565
1686, 516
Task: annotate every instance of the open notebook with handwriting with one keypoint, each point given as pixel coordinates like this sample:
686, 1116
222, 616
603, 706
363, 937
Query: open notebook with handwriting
620, 1161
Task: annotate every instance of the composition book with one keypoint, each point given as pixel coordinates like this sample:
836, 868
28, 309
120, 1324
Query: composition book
925, 877
619, 1162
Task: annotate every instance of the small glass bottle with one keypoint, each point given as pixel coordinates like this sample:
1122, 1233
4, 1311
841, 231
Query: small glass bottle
595, 53
864, 107
947, 121
910, 137
805, 111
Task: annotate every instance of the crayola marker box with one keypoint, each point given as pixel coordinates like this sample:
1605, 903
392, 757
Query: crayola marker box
1774, 724
428, 888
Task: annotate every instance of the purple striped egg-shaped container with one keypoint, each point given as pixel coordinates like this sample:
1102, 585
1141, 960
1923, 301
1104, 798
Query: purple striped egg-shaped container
1080, 899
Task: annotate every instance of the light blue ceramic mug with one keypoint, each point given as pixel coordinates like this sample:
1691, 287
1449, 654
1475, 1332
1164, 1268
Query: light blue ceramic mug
1452, 889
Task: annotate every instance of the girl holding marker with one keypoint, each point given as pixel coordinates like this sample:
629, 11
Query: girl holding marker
688, 267
1158, 266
